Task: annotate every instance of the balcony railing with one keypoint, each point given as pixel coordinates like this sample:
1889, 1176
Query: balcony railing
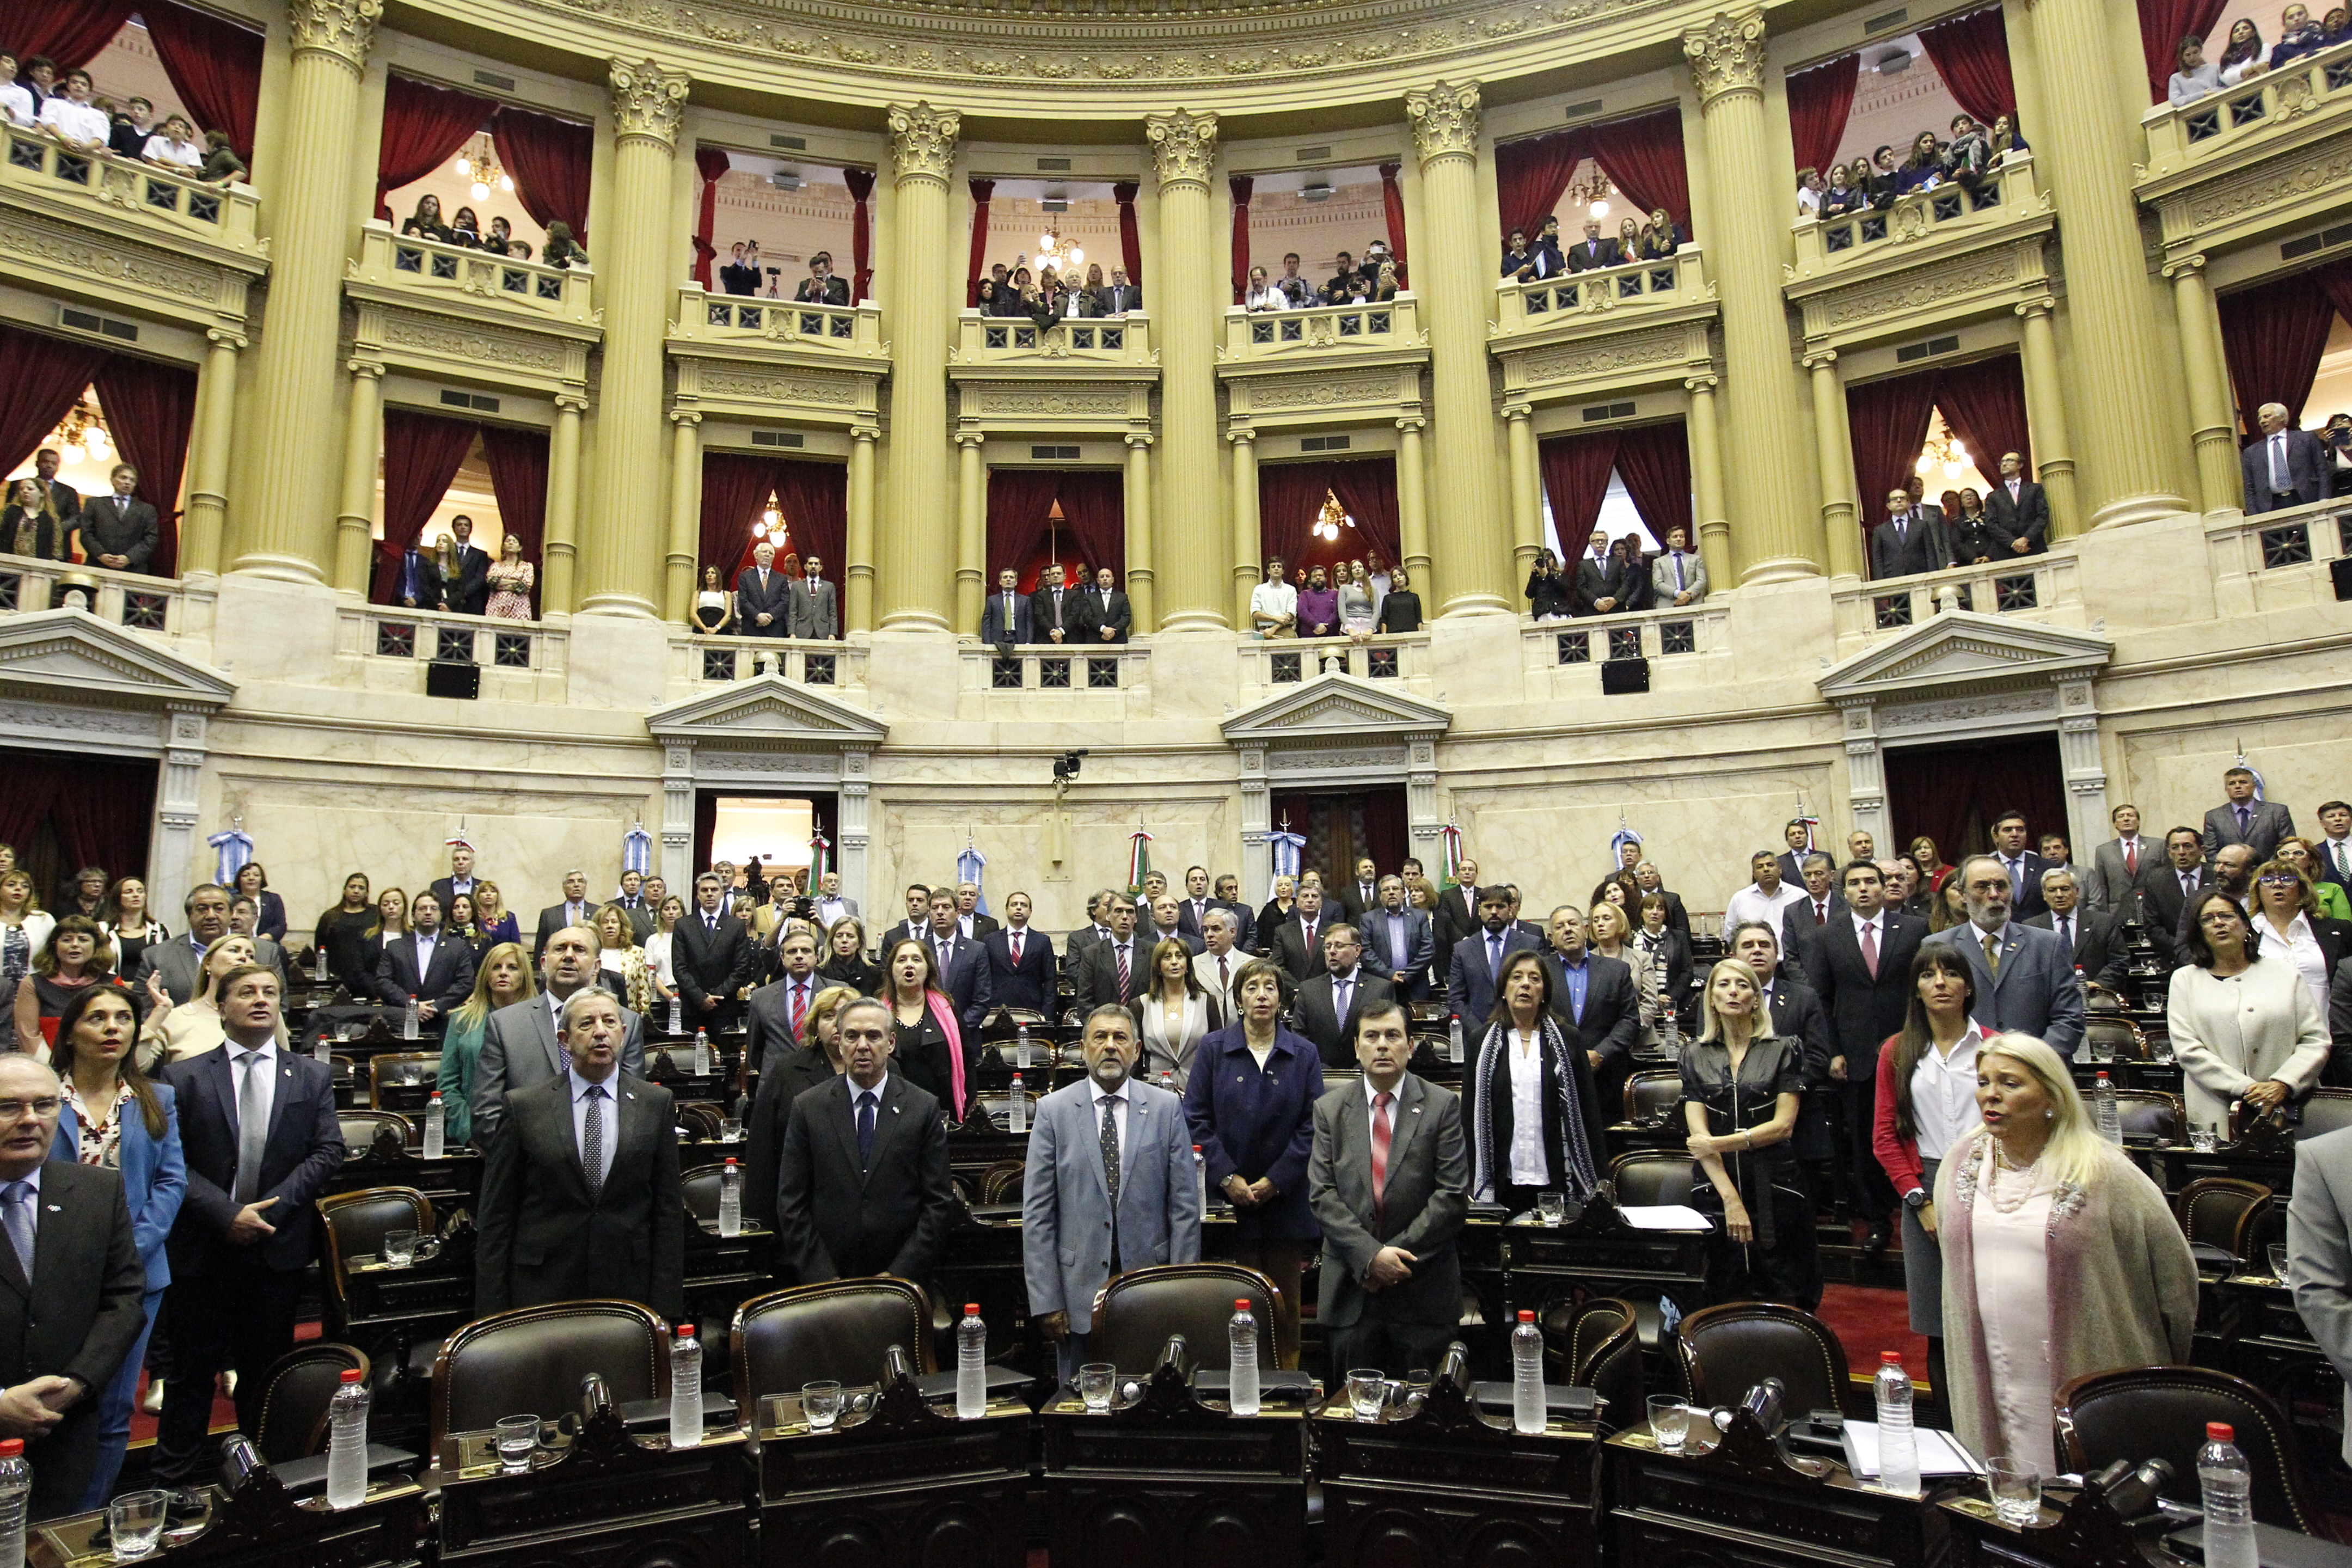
1082, 340
849, 330
1658, 635
2205, 126
1057, 674
2274, 560
1677, 280
386, 647
1828, 243
1325, 332
2043, 587
1272, 663
37, 164
159, 606
696, 660
390, 261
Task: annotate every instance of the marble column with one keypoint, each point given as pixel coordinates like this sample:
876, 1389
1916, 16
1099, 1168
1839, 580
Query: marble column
1249, 549
620, 572
857, 571
2220, 484
2089, 145
1706, 482
1187, 320
1779, 533
1142, 574
2046, 418
362, 445
1526, 489
558, 576
207, 519
1412, 502
918, 578
1839, 522
971, 532
1452, 277
285, 525
685, 515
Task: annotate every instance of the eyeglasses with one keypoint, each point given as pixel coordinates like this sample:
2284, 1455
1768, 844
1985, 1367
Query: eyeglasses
15, 1110
2279, 879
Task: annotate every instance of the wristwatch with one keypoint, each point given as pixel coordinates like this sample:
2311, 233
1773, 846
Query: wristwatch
1916, 1199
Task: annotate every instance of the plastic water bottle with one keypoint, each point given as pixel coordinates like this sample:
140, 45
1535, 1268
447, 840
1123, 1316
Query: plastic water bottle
1453, 1041
1016, 1113
436, 1127
319, 964
2103, 1106
1021, 1048
677, 1015
730, 1199
408, 1020
1201, 1176
322, 1051
1898, 1444
347, 1443
1526, 1377
1167, 1081
16, 1490
2226, 1488
685, 1389
702, 1053
971, 1366
1242, 1366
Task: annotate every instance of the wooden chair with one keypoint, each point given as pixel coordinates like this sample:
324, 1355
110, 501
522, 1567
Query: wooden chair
1651, 1098
2159, 1412
1729, 1349
2216, 1213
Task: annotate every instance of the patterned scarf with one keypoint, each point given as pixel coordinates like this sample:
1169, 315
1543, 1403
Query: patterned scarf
1491, 1080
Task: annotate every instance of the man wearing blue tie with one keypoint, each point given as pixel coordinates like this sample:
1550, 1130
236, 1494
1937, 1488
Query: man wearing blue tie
1678, 576
1477, 961
1403, 940
417, 584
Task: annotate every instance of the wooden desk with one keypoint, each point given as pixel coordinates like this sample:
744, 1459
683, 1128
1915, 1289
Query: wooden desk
452, 1181
259, 1524
1598, 1254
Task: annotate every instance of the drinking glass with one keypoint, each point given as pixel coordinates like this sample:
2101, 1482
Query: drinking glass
400, 1248
1366, 1393
821, 1403
2016, 1488
1552, 1208
730, 1130
2159, 1049
1669, 1421
2204, 1139
134, 1522
1096, 1380
2278, 1261
2103, 1049
518, 1436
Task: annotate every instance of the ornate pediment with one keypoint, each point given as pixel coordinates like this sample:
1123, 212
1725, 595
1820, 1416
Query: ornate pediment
767, 712
1338, 706
1962, 650
71, 656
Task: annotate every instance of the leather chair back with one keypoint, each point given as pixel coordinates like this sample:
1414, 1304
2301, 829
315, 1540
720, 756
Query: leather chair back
1001, 1182
1729, 1349
403, 1080
2151, 1114
1601, 1349
699, 1187
2325, 1110
1651, 1097
368, 1135
531, 1362
295, 1393
2114, 1031
840, 1329
355, 1226
2159, 1412
1143, 1307
1647, 1177
2216, 1213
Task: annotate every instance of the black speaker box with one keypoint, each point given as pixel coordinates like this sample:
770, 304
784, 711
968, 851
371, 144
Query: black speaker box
1620, 675
2340, 570
458, 678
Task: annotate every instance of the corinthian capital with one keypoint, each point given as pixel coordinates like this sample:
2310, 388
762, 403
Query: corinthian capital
922, 140
1183, 146
1727, 55
1445, 119
646, 101
344, 28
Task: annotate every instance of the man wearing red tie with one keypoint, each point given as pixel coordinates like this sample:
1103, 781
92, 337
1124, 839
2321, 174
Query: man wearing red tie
1020, 964
777, 1014
2017, 512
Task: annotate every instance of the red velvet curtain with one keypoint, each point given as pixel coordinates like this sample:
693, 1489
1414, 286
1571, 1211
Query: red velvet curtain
102, 810
215, 67
40, 378
861, 232
1576, 478
2273, 337
71, 32
1020, 511
422, 124
1289, 499
1130, 241
2162, 25
517, 459
549, 160
422, 454
2335, 281
1820, 102
1644, 158
814, 499
1367, 488
1241, 186
1530, 177
711, 163
1094, 505
1655, 462
150, 410
1984, 403
1392, 206
1888, 420
982, 192
735, 487
1952, 793
1971, 54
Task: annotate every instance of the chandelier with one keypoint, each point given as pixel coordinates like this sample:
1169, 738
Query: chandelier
1943, 450
80, 435
1052, 253
479, 163
1592, 194
1332, 518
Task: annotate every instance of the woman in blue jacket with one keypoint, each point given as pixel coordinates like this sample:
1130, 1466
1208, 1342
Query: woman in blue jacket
114, 1116
1251, 1105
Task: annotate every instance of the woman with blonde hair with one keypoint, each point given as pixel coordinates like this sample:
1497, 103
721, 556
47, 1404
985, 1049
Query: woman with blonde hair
25, 926
1609, 931
621, 966
492, 918
2286, 916
503, 979
1741, 1086
2059, 1257
174, 1032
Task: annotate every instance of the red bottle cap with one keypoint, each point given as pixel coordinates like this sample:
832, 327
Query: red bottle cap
2221, 1432
731, 1164
350, 1374
685, 1330
1890, 1358
972, 1308
1240, 1304
11, 1446
1526, 1316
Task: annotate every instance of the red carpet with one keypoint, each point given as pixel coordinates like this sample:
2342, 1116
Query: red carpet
1867, 1320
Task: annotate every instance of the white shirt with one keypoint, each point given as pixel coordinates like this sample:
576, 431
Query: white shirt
1529, 1166
425, 946
1267, 299
266, 1069
1750, 903
611, 1107
1118, 1098
2303, 950
17, 102
161, 149
77, 121
1944, 1095
1278, 600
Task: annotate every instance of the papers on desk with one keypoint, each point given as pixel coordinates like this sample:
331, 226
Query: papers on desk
1665, 1216
1940, 1454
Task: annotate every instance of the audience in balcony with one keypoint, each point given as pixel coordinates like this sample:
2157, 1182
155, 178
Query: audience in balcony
18, 105
1969, 529
1551, 591
820, 286
31, 526
175, 148
2242, 57
1912, 539
1357, 612
1118, 297
426, 223
1677, 576
1318, 607
129, 127
118, 530
466, 229
2017, 512
1593, 251
561, 249
741, 274
2298, 35
223, 167
816, 607
1840, 197
2287, 467
510, 583
714, 606
1262, 295
1812, 193
1400, 605
416, 581
1521, 263
1598, 587
1295, 289
467, 589
1273, 603
74, 120
2337, 439
762, 599
2197, 76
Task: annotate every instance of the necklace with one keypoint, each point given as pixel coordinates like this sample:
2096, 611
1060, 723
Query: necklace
1992, 1181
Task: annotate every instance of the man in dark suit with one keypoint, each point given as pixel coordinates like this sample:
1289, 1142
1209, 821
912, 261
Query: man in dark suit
918, 923
1389, 1178
963, 964
1118, 297
2088, 935
1100, 980
1298, 945
416, 578
820, 286
776, 1014
814, 603
1478, 958
644, 918
1802, 923
2242, 819
2023, 865
428, 963
1193, 909
1911, 539
519, 1043
581, 1198
178, 963
259, 1133
2286, 466
1021, 969
469, 595
2165, 890
460, 879
1108, 617
970, 924
1594, 999
1053, 613
1861, 970
713, 958
2017, 512
1402, 943
1229, 893
1457, 912
2333, 847
1167, 923
762, 599
1596, 580
118, 530
1331, 1004
1363, 895
1594, 251
1797, 835
1004, 620
1653, 881
574, 911
73, 1291
863, 1187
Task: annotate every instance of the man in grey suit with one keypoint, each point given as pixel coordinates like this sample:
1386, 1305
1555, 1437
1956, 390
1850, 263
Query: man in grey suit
2025, 978
1219, 962
2287, 467
1678, 576
816, 606
574, 911
2088, 934
2242, 819
1402, 942
521, 1045
1110, 1187
178, 963
2116, 865
2319, 1251
119, 530
1004, 619
762, 602
1389, 1178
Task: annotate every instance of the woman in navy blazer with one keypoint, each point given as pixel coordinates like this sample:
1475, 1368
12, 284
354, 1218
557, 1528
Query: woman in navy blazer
253, 881
1255, 1120
114, 1116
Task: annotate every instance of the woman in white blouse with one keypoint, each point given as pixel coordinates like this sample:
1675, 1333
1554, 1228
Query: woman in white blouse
2288, 922
24, 927
1174, 1014
2243, 1026
657, 946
